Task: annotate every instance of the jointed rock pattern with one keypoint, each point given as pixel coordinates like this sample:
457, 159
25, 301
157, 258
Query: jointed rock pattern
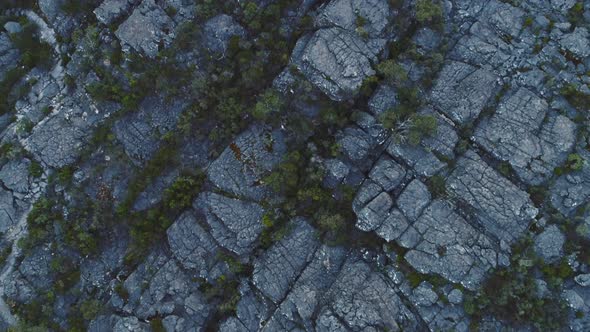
506, 84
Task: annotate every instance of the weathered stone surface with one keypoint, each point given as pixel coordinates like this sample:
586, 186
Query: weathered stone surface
235, 224
336, 60
9, 55
363, 299
140, 132
336, 172
450, 247
500, 207
461, 91
570, 191
374, 213
277, 269
344, 13
577, 42
35, 268
218, 32
192, 246
58, 140
384, 98
387, 173
414, 199
160, 287
424, 162
355, 143
520, 133
14, 175
299, 306
147, 26
549, 244
365, 194
111, 10
445, 138
393, 226
427, 40
246, 161
9, 211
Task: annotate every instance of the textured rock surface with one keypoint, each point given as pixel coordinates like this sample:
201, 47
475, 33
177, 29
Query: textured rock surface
235, 224
520, 133
461, 91
245, 161
145, 28
276, 271
500, 207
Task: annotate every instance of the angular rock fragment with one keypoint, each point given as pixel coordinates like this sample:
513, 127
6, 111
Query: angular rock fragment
146, 28
501, 208
414, 199
461, 91
277, 269
450, 247
219, 30
549, 244
241, 166
235, 224
336, 60
362, 299
374, 213
192, 246
520, 133
387, 173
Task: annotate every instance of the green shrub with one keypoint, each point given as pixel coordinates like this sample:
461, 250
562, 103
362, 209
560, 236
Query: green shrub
437, 186
392, 71
35, 169
269, 102
528, 21
157, 325
576, 98
511, 294
181, 193
505, 169
574, 163
576, 14
428, 11
422, 126
90, 309
74, 7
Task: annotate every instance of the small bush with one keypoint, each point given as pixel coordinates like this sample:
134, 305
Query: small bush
528, 21
437, 186
428, 11
576, 98
392, 71
90, 309
269, 102
181, 193
574, 163
35, 169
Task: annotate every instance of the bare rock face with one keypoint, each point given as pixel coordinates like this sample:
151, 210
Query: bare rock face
500, 207
462, 91
338, 56
235, 224
147, 26
520, 133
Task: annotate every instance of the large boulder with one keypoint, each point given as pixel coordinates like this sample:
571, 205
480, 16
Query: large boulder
499, 206
242, 165
234, 224
146, 28
277, 269
520, 132
461, 91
